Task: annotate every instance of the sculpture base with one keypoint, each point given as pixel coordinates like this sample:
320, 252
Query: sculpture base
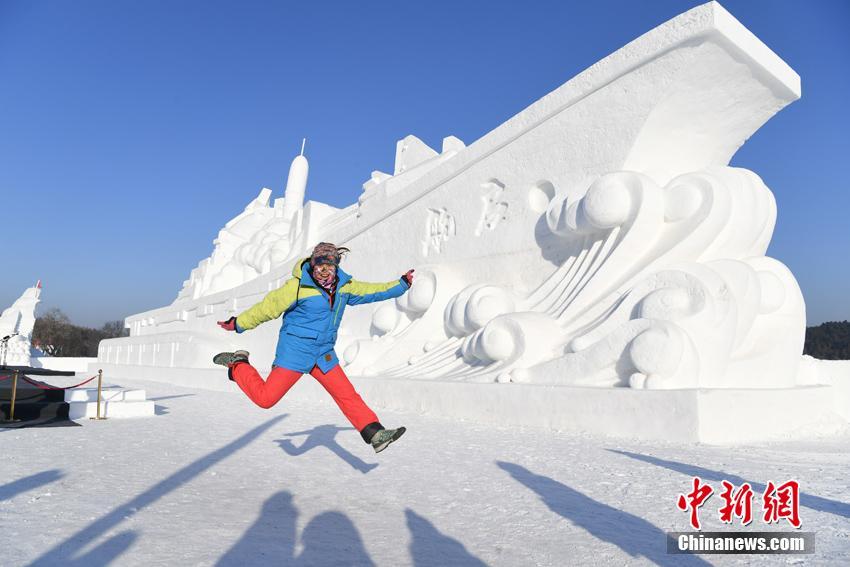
720, 416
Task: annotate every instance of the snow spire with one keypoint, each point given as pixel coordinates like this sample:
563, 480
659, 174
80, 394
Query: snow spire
296, 185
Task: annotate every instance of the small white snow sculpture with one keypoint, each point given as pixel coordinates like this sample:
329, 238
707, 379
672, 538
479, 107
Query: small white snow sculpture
16, 325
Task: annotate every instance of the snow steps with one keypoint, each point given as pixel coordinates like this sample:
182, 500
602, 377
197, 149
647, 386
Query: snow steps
115, 403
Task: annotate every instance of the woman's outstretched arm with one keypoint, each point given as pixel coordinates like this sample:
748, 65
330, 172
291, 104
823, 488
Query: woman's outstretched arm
365, 292
271, 307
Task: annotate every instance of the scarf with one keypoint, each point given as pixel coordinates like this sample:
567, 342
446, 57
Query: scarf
327, 283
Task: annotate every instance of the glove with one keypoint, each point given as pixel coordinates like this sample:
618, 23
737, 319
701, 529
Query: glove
408, 277
229, 325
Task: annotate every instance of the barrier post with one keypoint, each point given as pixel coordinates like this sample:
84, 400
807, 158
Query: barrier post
14, 395
99, 389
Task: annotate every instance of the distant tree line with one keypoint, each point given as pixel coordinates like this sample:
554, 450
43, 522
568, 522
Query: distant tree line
55, 335
828, 341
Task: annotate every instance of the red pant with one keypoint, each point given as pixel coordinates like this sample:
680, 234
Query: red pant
267, 393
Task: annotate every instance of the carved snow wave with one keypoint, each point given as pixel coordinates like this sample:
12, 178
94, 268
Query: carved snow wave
668, 287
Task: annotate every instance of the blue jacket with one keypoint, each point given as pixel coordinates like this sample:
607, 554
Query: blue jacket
311, 316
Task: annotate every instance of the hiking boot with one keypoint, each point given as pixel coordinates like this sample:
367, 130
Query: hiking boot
384, 437
230, 359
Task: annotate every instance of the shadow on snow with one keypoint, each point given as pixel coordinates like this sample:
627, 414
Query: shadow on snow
332, 539
324, 436
68, 552
163, 410
329, 539
809, 501
160, 398
12, 489
429, 547
632, 534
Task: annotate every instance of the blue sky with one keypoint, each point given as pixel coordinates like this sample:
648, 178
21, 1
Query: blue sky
131, 131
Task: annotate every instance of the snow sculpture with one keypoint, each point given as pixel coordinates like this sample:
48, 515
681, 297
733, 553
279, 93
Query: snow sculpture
664, 288
16, 324
598, 238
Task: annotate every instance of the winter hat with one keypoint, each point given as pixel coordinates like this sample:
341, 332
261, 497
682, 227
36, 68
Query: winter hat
326, 253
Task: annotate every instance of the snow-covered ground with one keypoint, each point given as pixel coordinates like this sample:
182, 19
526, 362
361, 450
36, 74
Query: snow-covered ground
214, 480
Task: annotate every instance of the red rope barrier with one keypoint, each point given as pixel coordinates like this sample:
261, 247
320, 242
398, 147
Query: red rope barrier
49, 387
4, 378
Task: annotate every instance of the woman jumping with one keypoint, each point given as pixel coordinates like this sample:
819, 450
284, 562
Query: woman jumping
312, 303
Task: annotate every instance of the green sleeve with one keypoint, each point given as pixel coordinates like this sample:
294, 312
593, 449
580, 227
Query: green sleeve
364, 292
271, 307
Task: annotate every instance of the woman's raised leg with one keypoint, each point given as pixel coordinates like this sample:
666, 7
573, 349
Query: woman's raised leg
349, 401
264, 393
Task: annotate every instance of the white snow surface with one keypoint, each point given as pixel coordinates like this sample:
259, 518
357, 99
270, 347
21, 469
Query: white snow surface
214, 480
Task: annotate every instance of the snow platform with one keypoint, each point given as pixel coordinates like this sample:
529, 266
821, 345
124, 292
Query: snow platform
116, 403
719, 416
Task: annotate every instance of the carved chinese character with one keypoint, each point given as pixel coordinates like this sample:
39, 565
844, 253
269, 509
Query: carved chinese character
440, 225
493, 210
